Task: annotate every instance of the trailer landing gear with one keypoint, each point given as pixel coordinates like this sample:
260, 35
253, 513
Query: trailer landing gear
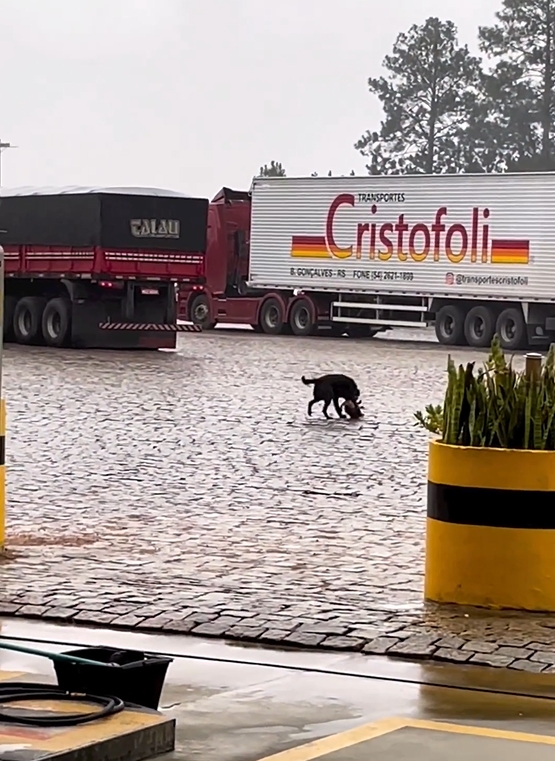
359, 330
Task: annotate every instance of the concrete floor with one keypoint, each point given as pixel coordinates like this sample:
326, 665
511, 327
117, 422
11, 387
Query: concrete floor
262, 702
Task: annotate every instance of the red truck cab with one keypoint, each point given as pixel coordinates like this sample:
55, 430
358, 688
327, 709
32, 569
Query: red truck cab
226, 266
224, 296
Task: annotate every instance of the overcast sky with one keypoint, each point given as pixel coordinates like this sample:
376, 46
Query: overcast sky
195, 94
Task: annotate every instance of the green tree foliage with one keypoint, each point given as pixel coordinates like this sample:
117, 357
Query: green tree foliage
430, 97
501, 135
273, 169
520, 87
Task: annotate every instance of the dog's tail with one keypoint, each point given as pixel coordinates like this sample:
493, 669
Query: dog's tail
308, 381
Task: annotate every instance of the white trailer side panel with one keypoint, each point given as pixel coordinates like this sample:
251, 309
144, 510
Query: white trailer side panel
451, 235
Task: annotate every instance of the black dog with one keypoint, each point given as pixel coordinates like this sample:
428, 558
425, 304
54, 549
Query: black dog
332, 388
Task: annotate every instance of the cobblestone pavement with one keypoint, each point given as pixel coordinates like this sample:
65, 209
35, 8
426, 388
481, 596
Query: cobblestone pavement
189, 492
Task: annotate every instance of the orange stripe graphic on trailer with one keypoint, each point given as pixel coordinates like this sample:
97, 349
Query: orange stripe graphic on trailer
309, 247
510, 251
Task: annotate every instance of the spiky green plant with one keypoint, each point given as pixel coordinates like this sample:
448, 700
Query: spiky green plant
497, 406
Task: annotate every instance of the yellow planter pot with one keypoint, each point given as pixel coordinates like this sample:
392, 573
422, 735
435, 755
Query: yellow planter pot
490, 533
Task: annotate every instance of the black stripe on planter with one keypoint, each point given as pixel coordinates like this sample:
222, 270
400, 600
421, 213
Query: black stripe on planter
499, 508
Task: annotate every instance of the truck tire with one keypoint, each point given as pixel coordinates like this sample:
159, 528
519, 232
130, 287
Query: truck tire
449, 325
302, 318
10, 303
56, 322
272, 318
479, 326
200, 312
511, 329
27, 320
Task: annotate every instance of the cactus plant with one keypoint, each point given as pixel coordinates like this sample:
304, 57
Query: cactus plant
496, 406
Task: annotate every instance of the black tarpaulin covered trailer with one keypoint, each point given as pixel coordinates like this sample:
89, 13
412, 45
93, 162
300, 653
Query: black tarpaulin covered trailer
112, 218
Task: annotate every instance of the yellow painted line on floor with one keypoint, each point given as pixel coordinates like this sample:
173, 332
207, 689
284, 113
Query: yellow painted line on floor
343, 740
368, 732
465, 729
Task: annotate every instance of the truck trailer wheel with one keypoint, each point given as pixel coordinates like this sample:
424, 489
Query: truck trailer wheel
511, 329
301, 318
56, 322
27, 320
479, 326
271, 317
10, 303
449, 325
200, 312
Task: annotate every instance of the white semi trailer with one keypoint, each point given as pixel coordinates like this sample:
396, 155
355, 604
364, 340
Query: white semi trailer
471, 254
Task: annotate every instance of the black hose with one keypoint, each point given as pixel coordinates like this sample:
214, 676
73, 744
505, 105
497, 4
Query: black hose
18, 692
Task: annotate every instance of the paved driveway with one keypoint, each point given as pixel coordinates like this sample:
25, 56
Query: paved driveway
190, 491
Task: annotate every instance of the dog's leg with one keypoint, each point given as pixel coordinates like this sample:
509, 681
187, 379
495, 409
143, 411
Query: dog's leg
310, 405
325, 410
337, 407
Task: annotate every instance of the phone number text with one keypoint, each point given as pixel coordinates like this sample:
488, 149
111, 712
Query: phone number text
323, 272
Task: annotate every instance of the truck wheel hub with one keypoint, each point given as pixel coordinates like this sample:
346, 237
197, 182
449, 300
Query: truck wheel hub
201, 312
508, 330
302, 317
273, 317
54, 324
478, 327
25, 322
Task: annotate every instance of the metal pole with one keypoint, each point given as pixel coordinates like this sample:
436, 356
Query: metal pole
4, 147
533, 366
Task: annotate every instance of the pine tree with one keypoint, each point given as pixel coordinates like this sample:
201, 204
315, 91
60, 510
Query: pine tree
274, 169
522, 46
430, 89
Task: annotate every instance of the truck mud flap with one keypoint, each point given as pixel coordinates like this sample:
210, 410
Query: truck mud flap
150, 326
